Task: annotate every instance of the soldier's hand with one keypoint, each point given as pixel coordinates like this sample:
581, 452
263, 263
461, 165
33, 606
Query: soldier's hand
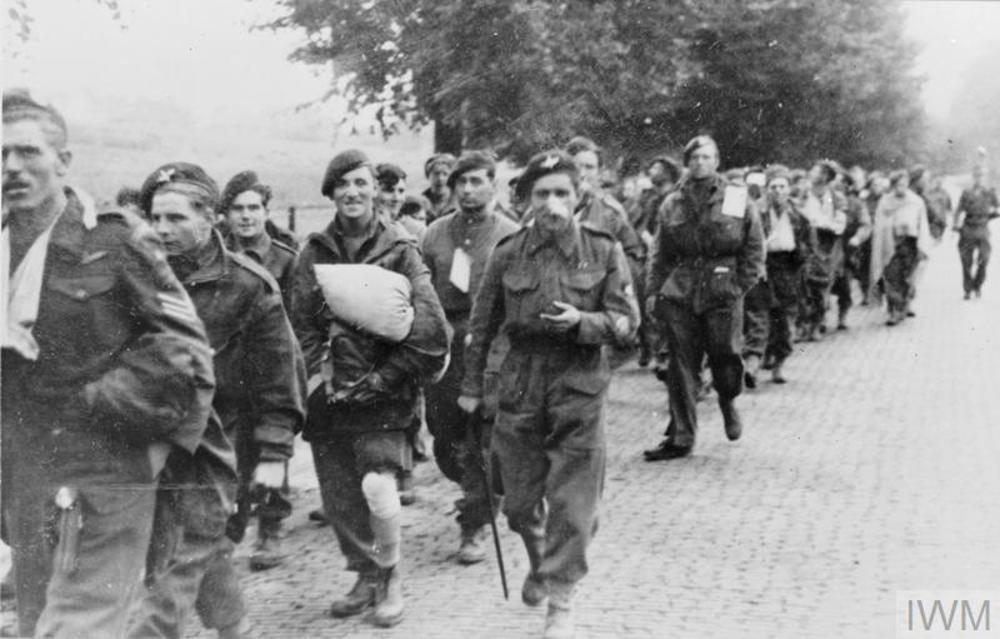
469, 404
564, 321
369, 390
270, 474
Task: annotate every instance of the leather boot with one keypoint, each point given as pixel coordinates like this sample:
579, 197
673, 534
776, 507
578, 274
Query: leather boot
776, 375
842, 319
360, 597
473, 548
534, 590
559, 620
731, 419
267, 549
388, 598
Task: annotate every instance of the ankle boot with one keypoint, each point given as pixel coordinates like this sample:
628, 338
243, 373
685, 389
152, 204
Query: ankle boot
559, 620
842, 320
360, 597
388, 598
267, 549
473, 547
731, 419
534, 591
776, 375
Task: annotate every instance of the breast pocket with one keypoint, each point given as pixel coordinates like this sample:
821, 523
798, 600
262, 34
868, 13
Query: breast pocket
582, 288
520, 295
89, 302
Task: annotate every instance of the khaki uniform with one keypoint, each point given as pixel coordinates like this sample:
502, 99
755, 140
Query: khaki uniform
548, 437
703, 263
123, 376
979, 206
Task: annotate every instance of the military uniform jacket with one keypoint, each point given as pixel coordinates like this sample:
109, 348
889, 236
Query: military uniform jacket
476, 239
701, 257
275, 256
124, 371
526, 273
405, 366
260, 374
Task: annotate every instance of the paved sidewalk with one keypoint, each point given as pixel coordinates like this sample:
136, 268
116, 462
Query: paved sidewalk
873, 471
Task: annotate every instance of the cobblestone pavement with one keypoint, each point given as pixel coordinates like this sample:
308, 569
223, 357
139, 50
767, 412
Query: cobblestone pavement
873, 471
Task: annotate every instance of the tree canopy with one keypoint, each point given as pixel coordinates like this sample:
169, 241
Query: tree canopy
788, 80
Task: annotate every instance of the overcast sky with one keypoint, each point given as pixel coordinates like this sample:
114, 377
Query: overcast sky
202, 54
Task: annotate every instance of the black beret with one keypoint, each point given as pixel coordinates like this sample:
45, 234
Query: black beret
554, 161
438, 158
389, 174
696, 143
472, 161
580, 144
178, 173
18, 104
342, 163
413, 203
669, 164
240, 183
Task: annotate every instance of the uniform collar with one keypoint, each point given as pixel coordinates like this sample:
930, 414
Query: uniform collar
260, 247
212, 262
567, 241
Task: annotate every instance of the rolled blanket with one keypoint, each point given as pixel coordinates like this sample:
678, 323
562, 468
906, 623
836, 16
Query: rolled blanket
368, 298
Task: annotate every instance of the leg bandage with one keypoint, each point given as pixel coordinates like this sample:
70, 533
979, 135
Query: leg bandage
383, 501
381, 494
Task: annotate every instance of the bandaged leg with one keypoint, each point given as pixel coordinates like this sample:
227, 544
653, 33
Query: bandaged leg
383, 501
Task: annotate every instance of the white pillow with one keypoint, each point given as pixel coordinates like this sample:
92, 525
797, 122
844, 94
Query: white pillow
369, 298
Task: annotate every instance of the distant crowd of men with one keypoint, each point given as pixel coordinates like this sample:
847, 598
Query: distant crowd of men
157, 364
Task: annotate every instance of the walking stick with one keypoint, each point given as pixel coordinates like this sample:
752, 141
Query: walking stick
475, 423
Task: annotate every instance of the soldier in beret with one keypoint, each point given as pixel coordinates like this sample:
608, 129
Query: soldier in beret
708, 253
436, 170
106, 369
245, 230
259, 405
455, 249
359, 433
559, 290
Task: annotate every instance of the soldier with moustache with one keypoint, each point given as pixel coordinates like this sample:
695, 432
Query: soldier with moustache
559, 290
106, 372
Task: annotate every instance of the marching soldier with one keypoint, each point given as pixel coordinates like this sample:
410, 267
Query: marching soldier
976, 207
244, 204
456, 248
708, 253
559, 290
365, 389
106, 369
259, 402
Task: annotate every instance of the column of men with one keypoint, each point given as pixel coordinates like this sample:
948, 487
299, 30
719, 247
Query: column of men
155, 375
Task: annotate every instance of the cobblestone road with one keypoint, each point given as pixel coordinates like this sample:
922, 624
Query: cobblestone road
874, 470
